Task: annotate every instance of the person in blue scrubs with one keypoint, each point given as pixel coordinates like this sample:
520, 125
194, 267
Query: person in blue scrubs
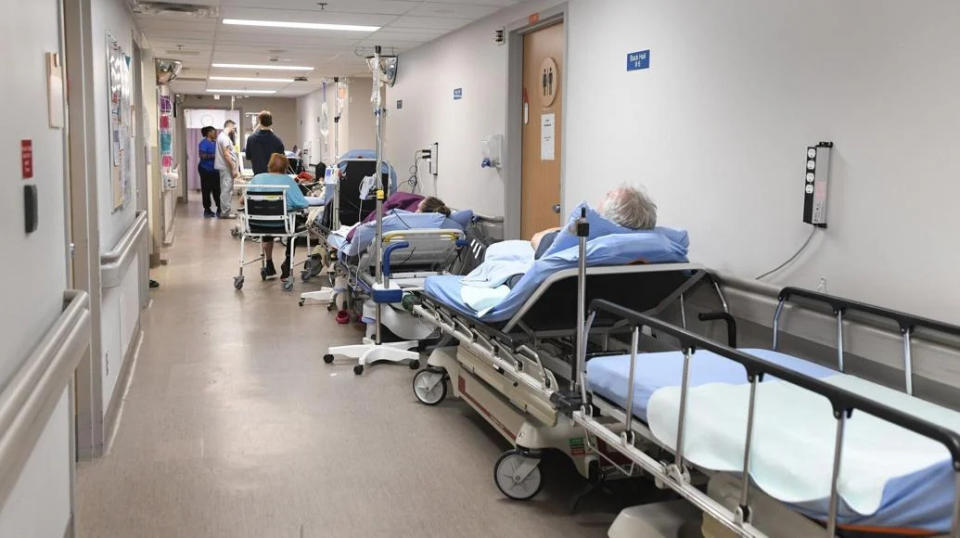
275, 176
209, 178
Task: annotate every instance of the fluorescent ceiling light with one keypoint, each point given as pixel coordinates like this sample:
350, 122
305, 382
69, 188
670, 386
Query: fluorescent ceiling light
241, 91
303, 25
273, 67
252, 79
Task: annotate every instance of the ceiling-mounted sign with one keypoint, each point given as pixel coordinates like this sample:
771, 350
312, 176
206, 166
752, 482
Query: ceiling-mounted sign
549, 81
457, 94
638, 60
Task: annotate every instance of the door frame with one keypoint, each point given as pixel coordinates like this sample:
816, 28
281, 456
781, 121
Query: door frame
84, 227
513, 137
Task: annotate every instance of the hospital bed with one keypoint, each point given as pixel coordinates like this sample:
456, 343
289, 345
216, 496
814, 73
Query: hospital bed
849, 454
513, 364
341, 206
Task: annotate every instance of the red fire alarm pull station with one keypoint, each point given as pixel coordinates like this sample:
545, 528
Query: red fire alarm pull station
26, 158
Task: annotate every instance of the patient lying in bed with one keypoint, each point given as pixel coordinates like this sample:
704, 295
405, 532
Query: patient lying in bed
431, 213
511, 270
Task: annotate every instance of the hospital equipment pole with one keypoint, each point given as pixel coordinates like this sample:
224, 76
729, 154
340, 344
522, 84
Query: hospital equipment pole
839, 313
907, 358
378, 112
744, 512
583, 230
835, 477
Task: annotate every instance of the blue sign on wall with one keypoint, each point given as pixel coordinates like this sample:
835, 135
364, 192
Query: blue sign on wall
638, 60
457, 93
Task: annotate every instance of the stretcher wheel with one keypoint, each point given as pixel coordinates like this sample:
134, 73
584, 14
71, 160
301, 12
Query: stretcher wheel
505, 475
328, 358
300, 301
358, 369
263, 273
238, 282
414, 364
429, 386
288, 285
234, 232
305, 276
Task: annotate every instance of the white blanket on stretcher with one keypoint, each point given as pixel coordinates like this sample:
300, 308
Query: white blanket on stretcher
794, 433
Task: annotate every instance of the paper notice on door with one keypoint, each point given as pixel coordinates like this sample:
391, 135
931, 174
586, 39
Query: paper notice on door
547, 140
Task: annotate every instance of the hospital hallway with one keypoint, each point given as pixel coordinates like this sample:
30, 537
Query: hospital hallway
233, 426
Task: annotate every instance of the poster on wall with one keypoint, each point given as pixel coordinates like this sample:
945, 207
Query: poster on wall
121, 117
166, 124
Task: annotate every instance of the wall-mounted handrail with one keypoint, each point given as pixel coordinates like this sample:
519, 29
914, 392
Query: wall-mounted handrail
113, 264
29, 397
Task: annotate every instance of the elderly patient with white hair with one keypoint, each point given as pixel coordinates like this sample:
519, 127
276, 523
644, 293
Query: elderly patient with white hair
626, 205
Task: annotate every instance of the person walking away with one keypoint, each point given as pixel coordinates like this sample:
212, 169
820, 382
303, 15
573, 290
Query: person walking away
263, 143
209, 178
228, 166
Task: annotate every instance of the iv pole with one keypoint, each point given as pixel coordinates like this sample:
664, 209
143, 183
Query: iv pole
372, 350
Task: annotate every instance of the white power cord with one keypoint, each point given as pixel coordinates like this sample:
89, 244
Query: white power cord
791, 258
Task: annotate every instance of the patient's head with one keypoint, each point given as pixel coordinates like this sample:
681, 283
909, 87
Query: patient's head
432, 204
278, 164
629, 207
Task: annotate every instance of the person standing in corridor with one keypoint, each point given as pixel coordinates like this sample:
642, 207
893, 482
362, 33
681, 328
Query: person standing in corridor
263, 143
209, 178
227, 164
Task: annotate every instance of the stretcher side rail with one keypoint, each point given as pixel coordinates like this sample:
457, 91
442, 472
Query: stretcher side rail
843, 403
907, 323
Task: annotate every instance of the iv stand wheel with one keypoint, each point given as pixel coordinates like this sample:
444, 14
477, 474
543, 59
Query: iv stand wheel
358, 369
429, 386
328, 358
518, 475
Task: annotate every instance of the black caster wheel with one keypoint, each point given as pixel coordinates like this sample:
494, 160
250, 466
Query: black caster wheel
512, 478
300, 302
328, 358
331, 306
358, 369
238, 282
414, 365
429, 386
263, 273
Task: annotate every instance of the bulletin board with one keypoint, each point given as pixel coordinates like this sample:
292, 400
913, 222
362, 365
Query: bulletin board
121, 122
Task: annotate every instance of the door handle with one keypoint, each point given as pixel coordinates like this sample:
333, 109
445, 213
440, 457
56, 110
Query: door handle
556, 208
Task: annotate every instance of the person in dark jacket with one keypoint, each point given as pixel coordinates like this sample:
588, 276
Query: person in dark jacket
263, 143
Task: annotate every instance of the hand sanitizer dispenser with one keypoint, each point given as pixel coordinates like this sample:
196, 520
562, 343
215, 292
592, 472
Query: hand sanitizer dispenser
491, 149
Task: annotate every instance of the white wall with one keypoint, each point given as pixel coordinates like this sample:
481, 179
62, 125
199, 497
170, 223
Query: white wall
283, 109
357, 127
361, 124
119, 310
109, 16
40, 503
467, 59
33, 277
717, 129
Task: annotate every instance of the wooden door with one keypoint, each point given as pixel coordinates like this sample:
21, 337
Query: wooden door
542, 120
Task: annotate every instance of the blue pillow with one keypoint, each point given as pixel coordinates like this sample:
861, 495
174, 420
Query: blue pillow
599, 227
462, 217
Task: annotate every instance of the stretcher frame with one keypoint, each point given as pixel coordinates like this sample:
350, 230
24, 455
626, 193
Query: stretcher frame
532, 395
623, 432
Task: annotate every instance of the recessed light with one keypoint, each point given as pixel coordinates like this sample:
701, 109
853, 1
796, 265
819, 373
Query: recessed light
255, 66
303, 25
253, 79
241, 91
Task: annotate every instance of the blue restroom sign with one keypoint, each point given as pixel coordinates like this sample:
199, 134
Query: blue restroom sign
457, 93
638, 60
